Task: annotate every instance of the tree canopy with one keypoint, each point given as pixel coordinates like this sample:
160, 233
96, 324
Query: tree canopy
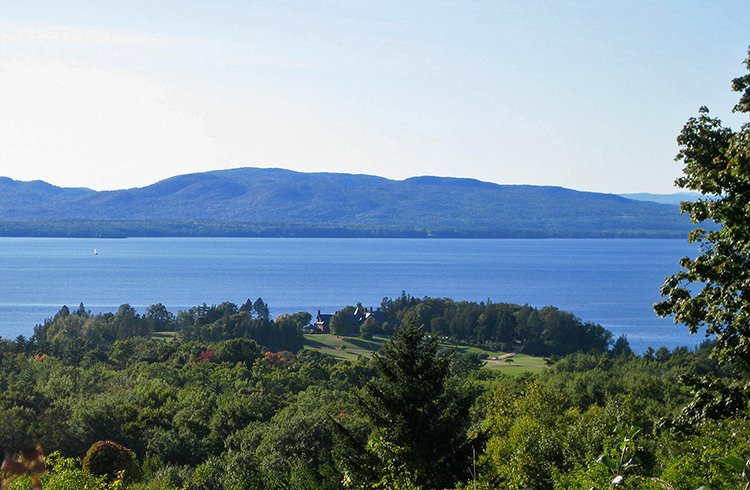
713, 289
211, 411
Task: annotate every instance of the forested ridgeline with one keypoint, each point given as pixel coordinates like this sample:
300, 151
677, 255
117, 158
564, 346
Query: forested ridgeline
275, 202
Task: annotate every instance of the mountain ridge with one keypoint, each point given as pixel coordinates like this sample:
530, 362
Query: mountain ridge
675, 198
285, 197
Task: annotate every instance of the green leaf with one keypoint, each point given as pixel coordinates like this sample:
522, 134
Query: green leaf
607, 461
732, 461
634, 461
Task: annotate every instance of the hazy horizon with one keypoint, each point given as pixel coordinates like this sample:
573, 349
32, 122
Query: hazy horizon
589, 96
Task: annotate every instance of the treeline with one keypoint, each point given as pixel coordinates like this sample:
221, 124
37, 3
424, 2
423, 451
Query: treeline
504, 326
546, 331
115, 228
74, 335
230, 414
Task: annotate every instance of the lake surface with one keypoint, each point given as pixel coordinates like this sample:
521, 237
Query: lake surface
613, 282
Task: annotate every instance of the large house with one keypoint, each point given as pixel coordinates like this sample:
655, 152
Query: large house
355, 320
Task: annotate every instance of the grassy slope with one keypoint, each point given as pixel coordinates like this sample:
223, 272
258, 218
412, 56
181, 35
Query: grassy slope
513, 364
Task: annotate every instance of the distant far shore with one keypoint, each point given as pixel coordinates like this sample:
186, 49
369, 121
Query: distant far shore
217, 228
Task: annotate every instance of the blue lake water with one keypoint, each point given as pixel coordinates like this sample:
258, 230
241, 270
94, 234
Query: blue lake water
613, 282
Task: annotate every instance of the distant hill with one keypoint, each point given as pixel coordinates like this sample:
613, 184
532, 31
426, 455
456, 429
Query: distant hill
34, 193
271, 202
675, 198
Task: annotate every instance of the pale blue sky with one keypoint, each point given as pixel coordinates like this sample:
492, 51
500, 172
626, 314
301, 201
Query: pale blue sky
588, 95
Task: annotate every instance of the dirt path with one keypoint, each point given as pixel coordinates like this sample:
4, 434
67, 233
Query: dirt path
498, 359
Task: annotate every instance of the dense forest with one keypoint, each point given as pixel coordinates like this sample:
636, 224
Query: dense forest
541, 332
224, 397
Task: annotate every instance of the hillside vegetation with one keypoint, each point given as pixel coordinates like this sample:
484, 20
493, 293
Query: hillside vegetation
225, 398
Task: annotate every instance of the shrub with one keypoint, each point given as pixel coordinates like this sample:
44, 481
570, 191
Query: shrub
108, 459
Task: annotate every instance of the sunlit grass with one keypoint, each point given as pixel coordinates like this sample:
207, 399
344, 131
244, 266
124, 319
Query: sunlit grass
344, 348
518, 364
164, 335
351, 348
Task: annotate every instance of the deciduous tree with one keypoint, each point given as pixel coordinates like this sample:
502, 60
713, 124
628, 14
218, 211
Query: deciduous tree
159, 318
339, 325
713, 289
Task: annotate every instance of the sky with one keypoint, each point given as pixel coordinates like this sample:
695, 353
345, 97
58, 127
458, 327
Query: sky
588, 95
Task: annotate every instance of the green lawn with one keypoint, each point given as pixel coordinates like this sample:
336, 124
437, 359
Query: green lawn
518, 364
350, 348
345, 348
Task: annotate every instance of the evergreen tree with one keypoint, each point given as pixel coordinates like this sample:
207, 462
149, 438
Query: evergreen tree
261, 309
419, 414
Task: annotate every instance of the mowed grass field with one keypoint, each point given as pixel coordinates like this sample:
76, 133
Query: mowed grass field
351, 348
